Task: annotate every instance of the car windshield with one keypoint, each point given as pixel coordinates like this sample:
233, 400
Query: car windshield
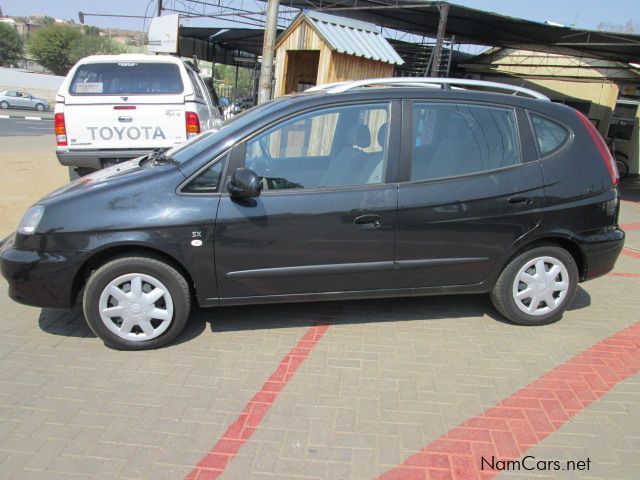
128, 78
200, 143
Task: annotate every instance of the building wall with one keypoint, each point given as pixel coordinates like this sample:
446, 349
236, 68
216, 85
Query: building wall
566, 78
300, 37
344, 67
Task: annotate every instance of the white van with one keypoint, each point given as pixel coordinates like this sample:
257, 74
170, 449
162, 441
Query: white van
111, 108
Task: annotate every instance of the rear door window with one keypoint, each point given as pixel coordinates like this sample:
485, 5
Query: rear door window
126, 78
457, 139
550, 136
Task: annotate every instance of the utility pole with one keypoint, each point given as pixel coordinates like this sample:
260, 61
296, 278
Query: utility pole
442, 29
159, 8
266, 71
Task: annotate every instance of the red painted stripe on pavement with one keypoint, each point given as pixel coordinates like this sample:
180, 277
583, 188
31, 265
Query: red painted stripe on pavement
630, 226
214, 463
520, 421
627, 275
631, 253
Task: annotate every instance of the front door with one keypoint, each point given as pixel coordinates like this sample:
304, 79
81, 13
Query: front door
325, 219
470, 194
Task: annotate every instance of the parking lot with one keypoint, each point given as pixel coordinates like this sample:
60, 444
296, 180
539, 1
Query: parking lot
399, 389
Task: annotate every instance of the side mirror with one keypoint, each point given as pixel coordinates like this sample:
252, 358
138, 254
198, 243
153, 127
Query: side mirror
244, 183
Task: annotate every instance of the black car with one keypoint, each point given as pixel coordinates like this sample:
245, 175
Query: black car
350, 192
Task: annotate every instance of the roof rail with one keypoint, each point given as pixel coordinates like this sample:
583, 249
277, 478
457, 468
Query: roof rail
433, 82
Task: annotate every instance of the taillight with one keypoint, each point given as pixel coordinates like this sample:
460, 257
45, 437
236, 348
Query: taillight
601, 145
60, 129
193, 124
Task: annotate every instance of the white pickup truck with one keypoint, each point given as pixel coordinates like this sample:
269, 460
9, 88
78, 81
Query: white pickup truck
111, 108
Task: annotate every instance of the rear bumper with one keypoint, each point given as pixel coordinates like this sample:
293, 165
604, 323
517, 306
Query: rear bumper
97, 159
601, 250
40, 279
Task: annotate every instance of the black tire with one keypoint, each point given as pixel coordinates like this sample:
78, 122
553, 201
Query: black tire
502, 295
4, 105
621, 164
40, 107
175, 284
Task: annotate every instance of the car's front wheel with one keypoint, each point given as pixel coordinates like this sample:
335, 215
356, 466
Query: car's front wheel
537, 286
136, 303
40, 107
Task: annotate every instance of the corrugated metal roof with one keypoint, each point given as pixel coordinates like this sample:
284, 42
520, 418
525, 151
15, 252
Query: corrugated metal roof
353, 37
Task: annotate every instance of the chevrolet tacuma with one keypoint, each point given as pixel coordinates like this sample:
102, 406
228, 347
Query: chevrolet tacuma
366, 189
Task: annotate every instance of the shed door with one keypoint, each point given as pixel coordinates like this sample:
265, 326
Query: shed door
301, 70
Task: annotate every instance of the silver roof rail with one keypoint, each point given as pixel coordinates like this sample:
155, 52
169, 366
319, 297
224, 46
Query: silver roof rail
428, 82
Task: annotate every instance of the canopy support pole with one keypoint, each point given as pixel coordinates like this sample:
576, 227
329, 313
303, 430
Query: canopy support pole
266, 70
442, 29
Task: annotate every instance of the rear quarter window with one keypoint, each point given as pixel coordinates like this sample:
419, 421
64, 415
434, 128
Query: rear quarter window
126, 78
550, 135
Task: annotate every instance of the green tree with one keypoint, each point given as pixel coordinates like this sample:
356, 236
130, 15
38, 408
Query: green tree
90, 45
11, 46
58, 47
48, 21
91, 30
51, 47
227, 73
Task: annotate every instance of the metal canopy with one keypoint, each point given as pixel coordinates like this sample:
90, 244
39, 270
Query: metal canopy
482, 28
222, 45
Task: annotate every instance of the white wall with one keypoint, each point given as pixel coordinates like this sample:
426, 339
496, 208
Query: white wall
37, 84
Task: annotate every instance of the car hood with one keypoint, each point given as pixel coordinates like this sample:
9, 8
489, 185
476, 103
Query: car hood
105, 178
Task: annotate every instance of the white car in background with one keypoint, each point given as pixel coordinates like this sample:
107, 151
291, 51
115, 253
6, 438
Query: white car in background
112, 108
17, 99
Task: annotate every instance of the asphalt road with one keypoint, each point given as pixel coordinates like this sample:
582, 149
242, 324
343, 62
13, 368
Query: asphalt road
20, 127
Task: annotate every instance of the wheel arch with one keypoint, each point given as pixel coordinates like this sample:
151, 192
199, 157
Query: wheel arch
99, 258
556, 240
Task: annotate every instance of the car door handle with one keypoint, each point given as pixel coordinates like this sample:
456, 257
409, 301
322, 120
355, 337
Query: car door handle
520, 201
371, 220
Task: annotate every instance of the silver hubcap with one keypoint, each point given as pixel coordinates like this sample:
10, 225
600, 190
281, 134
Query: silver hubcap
540, 286
136, 307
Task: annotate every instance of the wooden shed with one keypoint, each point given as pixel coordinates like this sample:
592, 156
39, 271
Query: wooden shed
318, 48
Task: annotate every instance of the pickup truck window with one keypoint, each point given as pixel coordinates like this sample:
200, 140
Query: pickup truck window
126, 78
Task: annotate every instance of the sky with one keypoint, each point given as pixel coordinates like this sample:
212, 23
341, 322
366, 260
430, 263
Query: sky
580, 13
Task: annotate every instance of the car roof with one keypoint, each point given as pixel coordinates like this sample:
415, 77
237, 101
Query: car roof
408, 93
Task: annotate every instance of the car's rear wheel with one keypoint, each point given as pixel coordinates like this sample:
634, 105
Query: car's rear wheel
537, 286
136, 303
4, 105
39, 107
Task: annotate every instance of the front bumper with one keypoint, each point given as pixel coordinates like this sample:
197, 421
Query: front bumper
600, 250
97, 159
40, 279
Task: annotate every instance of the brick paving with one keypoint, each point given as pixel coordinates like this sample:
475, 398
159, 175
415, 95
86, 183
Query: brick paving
386, 379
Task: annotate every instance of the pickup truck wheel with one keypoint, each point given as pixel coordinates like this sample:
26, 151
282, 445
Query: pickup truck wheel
136, 303
537, 286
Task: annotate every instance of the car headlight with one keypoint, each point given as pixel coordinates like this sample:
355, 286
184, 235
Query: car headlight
30, 220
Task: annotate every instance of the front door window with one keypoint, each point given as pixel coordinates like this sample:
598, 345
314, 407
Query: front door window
337, 147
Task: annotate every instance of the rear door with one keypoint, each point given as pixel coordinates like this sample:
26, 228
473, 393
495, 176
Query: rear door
325, 220
125, 104
471, 191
